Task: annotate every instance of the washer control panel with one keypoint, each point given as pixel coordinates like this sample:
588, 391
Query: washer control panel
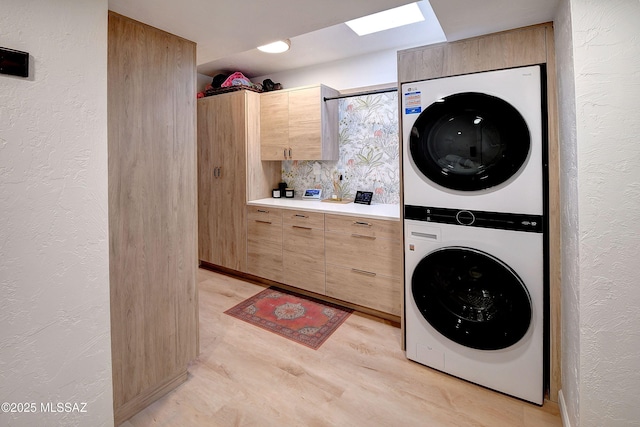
499, 220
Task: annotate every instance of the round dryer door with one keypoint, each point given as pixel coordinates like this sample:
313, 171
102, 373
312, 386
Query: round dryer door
472, 298
469, 141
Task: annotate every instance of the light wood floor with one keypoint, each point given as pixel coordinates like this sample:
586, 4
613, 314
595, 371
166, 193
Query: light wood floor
246, 376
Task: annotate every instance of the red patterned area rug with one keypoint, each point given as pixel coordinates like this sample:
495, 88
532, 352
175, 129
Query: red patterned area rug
305, 320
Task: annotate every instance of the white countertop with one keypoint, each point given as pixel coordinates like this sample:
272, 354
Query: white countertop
374, 211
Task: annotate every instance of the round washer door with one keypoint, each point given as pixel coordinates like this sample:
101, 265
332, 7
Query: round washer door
472, 298
469, 141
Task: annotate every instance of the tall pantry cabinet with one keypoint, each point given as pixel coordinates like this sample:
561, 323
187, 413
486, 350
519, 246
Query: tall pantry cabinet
152, 212
230, 172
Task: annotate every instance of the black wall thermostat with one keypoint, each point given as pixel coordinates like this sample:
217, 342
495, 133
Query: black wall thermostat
14, 62
363, 197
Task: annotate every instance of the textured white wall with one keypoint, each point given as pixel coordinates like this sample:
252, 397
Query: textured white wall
55, 342
601, 384
570, 397
607, 68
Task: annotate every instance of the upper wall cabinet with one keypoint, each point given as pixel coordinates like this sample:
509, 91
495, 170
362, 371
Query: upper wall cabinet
298, 124
514, 48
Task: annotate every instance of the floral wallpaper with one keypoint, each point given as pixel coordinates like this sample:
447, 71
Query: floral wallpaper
369, 153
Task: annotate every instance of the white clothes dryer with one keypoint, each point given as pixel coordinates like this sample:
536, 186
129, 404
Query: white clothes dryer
475, 141
475, 297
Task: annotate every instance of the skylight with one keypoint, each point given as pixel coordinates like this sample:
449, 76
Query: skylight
392, 18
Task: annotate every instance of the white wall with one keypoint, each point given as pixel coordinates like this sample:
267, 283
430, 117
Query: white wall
360, 71
600, 158
54, 269
203, 81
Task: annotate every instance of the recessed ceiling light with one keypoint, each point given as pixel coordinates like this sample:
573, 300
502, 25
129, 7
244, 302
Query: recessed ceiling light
276, 47
392, 18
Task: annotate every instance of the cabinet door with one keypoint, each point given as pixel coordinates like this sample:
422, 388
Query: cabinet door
303, 250
305, 124
152, 215
264, 242
303, 258
222, 180
274, 125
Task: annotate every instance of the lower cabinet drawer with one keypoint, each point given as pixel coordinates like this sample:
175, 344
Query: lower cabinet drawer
260, 213
363, 288
381, 256
261, 230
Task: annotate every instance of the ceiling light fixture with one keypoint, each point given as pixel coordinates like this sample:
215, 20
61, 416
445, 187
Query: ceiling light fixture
392, 18
276, 47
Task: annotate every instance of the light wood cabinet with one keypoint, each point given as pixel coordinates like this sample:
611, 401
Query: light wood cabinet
364, 261
264, 242
303, 250
298, 124
229, 173
514, 48
152, 212
356, 260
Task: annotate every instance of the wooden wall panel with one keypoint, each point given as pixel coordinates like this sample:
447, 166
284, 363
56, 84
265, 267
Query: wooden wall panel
514, 48
555, 243
262, 176
520, 47
152, 211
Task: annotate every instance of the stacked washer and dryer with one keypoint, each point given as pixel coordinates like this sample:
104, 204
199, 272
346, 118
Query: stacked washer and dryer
474, 181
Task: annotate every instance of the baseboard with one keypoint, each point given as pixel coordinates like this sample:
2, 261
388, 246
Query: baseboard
563, 410
145, 399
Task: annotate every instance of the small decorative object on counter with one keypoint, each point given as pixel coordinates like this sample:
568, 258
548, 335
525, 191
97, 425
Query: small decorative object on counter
363, 197
338, 189
289, 193
275, 193
282, 186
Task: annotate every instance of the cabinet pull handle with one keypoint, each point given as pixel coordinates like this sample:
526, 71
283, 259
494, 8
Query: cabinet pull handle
304, 228
360, 236
285, 153
219, 171
302, 216
364, 224
263, 222
366, 273
262, 211
215, 172
289, 152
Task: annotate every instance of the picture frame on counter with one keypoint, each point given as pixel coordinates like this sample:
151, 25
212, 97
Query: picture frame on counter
363, 197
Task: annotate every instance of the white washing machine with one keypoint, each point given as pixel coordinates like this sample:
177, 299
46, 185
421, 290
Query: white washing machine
475, 141
475, 297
